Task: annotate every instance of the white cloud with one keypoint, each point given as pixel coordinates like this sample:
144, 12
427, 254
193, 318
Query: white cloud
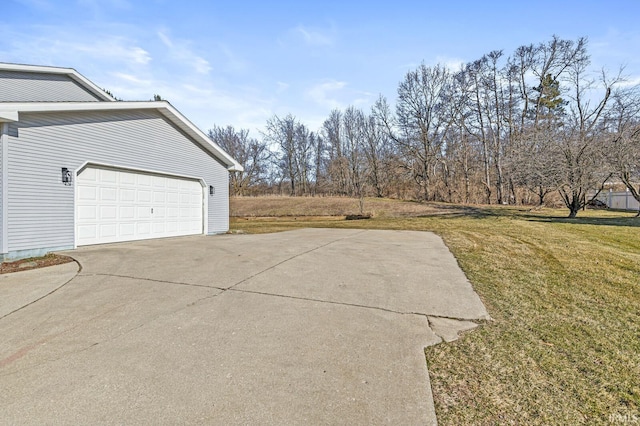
321, 93
165, 40
201, 65
138, 55
630, 81
131, 79
116, 49
314, 37
180, 50
453, 64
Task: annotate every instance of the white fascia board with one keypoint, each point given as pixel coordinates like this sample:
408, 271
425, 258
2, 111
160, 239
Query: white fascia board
8, 116
164, 107
75, 75
191, 129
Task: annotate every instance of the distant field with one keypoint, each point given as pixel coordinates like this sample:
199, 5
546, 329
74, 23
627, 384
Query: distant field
564, 344
278, 206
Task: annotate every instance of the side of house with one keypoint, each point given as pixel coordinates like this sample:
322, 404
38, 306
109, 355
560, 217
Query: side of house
78, 168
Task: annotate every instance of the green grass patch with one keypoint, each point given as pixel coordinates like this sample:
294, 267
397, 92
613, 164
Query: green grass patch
564, 295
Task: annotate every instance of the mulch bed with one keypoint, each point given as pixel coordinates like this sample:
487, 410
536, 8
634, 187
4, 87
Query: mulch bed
33, 263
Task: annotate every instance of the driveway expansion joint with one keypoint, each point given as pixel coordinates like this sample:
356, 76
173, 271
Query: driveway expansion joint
45, 295
293, 257
151, 280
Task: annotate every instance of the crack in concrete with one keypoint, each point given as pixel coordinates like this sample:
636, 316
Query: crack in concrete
262, 293
232, 288
98, 274
332, 302
293, 257
48, 294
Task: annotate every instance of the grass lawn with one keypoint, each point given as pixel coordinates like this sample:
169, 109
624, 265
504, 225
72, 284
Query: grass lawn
564, 295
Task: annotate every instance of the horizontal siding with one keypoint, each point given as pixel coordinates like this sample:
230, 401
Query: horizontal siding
2, 150
41, 208
18, 86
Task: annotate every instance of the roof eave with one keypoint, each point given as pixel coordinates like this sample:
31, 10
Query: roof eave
11, 112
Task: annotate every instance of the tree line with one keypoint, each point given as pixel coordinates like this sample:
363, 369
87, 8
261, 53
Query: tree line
505, 129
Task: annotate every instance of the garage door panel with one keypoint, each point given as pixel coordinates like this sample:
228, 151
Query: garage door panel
143, 212
126, 230
108, 194
87, 231
143, 180
143, 228
127, 179
87, 213
87, 192
184, 226
89, 175
143, 196
173, 198
159, 197
115, 205
126, 213
108, 230
107, 176
127, 195
159, 182
108, 212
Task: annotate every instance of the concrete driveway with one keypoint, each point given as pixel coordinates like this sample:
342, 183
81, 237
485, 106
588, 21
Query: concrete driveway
312, 326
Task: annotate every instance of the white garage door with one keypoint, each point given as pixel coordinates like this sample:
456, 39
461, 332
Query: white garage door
118, 205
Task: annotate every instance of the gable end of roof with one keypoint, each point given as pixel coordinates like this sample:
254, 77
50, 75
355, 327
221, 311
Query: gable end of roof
70, 72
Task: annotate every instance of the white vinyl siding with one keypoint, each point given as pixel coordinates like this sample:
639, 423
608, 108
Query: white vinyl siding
4, 140
20, 86
121, 205
41, 207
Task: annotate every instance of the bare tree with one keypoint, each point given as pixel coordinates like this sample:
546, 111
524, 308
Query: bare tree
252, 154
294, 151
338, 167
548, 152
623, 148
580, 151
353, 122
377, 150
281, 133
422, 120
304, 145
498, 130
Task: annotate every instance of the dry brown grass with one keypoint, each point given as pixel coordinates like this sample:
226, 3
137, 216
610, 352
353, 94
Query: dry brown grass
280, 206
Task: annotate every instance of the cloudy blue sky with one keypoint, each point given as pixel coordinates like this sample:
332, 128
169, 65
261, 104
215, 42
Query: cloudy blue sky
240, 62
